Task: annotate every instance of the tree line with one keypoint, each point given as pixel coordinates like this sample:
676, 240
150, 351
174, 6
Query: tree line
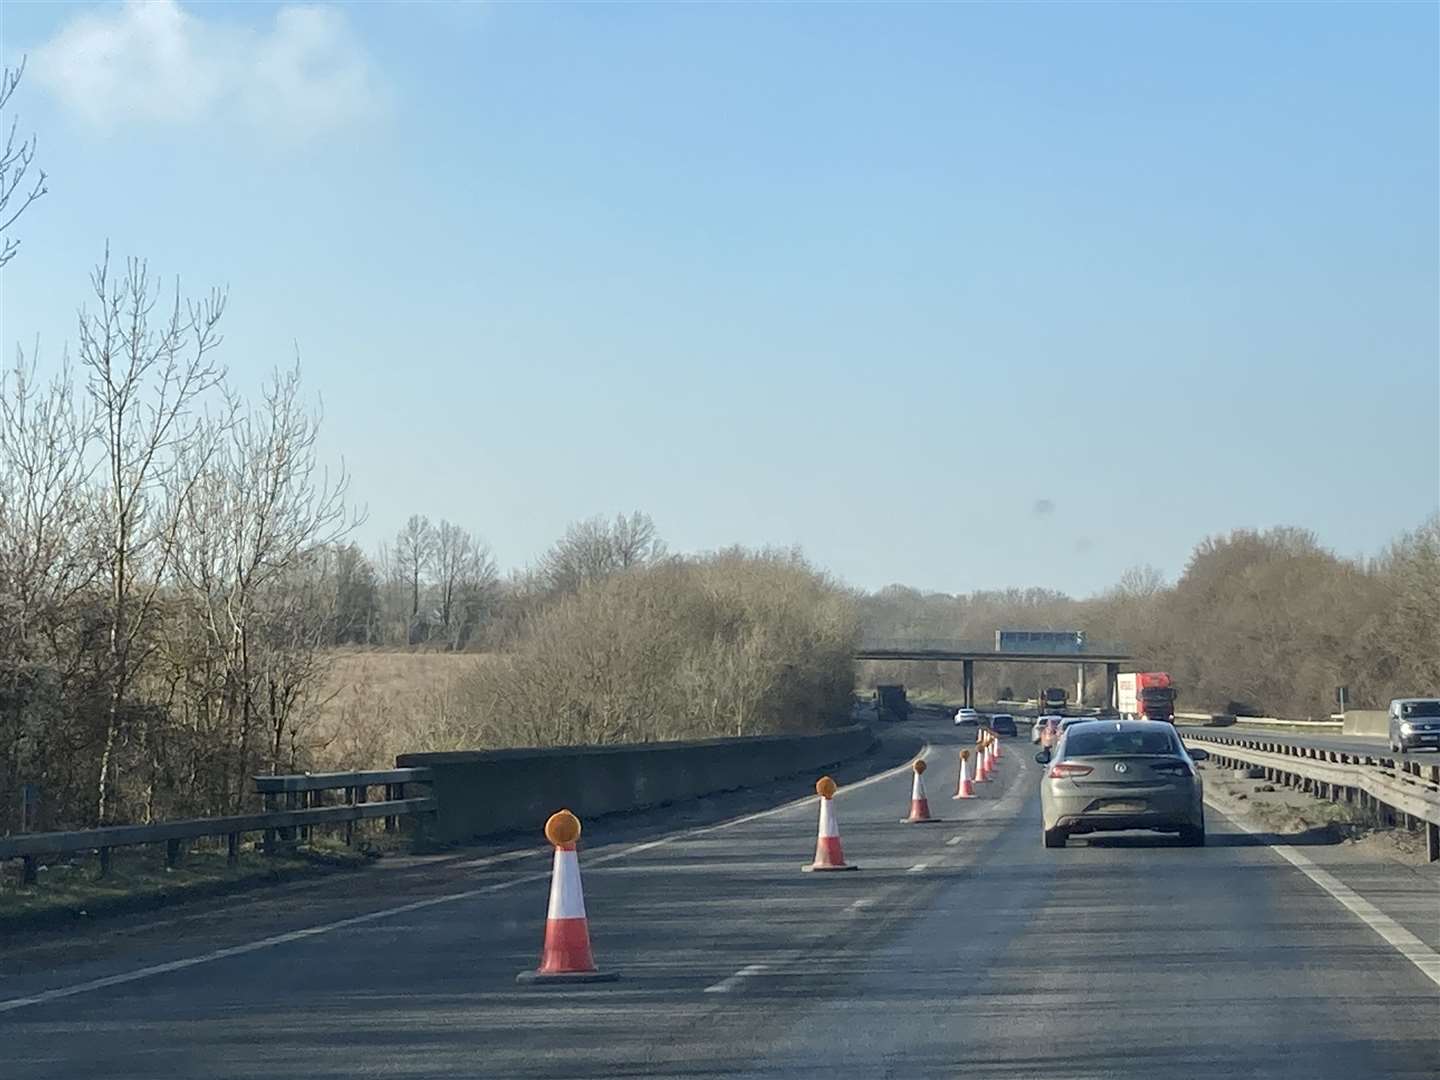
1259, 622
177, 571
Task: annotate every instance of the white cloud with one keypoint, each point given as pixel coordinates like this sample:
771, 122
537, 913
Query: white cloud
152, 61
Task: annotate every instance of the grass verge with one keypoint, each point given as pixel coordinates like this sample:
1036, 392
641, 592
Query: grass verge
69, 890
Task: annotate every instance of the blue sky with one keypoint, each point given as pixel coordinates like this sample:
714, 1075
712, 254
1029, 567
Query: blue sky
874, 280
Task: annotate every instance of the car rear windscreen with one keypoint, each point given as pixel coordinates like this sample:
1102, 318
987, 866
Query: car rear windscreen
1116, 743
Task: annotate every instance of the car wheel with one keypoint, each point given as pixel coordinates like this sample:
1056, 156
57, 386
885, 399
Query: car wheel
1193, 835
1054, 838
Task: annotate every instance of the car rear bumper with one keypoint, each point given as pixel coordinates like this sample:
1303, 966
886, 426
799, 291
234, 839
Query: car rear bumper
1111, 807
1086, 823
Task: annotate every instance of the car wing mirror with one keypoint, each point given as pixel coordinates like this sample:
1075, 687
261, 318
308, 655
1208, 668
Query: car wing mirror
1197, 754
1043, 757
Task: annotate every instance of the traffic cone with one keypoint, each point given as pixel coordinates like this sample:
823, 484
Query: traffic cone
566, 957
996, 738
828, 855
919, 804
982, 763
965, 789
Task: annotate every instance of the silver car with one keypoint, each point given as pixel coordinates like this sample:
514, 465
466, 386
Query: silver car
1108, 775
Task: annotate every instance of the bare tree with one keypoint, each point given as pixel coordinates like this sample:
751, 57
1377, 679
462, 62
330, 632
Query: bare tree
594, 548
15, 162
414, 553
261, 511
633, 540
146, 378
47, 564
465, 576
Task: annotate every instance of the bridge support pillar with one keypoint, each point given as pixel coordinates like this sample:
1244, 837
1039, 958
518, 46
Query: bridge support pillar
1112, 685
968, 674
1079, 684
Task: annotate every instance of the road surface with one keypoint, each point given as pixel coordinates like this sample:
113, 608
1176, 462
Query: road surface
960, 949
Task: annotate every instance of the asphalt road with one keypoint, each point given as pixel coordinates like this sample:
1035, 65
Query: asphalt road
1374, 745
960, 949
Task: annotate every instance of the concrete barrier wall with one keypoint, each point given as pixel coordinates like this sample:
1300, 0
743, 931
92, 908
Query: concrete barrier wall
481, 793
1366, 722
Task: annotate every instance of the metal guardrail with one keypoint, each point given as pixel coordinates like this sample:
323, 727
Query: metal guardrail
304, 811
1383, 784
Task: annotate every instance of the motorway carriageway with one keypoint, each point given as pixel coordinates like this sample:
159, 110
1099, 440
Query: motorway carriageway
1374, 745
960, 949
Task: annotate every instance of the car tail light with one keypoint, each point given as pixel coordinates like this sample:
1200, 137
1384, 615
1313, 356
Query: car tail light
1172, 768
1063, 769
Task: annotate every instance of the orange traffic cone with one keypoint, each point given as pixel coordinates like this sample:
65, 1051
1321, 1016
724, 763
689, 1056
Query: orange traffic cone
982, 763
566, 957
965, 789
996, 739
828, 855
919, 804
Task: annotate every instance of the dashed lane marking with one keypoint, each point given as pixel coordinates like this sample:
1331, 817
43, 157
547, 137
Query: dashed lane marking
724, 986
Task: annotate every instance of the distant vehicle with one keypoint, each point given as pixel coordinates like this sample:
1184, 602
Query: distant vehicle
1146, 695
1049, 728
891, 702
1108, 776
966, 716
1066, 722
1414, 723
1002, 724
1053, 700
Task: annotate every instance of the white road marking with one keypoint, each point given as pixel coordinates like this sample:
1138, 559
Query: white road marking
863, 902
503, 857
11, 1004
1400, 939
918, 867
954, 840
808, 800
724, 986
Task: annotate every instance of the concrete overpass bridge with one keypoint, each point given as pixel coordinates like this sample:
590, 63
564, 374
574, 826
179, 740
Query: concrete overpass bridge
969, 654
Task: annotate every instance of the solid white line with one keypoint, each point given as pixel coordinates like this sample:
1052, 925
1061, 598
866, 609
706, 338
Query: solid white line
1400, 939
11, 1004
919, 866
724, 986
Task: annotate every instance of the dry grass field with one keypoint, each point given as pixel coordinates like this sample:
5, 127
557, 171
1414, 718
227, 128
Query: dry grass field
377, 703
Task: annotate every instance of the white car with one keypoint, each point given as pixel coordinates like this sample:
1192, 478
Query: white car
966, 716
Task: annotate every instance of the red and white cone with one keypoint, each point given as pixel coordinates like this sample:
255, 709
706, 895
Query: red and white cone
982, 764
828, 855
989, 757
566, 956
965, 789
919, 804
998, 755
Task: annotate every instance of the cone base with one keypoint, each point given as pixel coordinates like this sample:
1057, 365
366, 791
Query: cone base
812, 868
542, 978
921, 821
969, 795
